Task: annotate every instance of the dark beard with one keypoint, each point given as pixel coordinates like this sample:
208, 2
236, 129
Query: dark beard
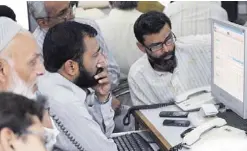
162, 64
85, 79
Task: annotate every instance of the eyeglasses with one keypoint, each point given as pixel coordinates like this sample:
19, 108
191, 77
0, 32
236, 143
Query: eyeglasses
64, 14
170, 40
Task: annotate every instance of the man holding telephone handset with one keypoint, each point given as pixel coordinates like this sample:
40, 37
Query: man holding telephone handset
73, 57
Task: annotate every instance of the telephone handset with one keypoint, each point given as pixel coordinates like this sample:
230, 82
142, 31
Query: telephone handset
193, 136
126, 119
193, 99
67, 133
193, 92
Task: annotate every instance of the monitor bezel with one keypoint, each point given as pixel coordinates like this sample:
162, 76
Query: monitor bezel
222, 96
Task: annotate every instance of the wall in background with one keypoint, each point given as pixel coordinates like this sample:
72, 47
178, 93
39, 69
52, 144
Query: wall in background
20, 9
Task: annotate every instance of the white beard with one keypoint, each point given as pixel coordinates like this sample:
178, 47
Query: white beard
18, 86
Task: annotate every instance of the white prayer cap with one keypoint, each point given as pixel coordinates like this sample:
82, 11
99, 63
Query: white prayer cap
8, 30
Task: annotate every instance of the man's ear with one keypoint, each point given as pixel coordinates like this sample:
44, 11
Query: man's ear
43, 23
3, 72
141, 47
71, 68
7, 138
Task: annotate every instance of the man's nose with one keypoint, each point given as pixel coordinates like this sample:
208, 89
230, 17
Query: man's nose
103, 58
40, 69
165, 48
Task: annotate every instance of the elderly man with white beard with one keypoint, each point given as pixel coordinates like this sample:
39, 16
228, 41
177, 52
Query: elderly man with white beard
20, 64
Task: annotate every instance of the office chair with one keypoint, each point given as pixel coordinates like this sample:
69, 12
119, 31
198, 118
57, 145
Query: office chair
122, 92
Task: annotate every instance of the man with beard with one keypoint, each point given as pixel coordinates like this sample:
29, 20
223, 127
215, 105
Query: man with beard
75, 61
21, 65
165, 70
49, 13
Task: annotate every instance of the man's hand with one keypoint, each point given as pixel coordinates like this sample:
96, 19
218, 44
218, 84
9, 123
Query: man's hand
102, 89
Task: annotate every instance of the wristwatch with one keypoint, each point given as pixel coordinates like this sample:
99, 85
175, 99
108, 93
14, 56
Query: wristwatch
107, 99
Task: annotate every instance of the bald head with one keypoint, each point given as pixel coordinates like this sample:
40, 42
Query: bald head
20, 63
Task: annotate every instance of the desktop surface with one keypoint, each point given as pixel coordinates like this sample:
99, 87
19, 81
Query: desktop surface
233, 119
169, 136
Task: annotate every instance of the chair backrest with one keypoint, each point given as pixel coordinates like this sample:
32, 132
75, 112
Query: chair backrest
122, 93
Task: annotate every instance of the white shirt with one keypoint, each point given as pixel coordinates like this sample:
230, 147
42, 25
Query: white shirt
194, 17
118, 31
89, 126
148, 86
113, 67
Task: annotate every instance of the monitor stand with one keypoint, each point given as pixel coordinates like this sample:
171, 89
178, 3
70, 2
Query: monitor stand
233, 119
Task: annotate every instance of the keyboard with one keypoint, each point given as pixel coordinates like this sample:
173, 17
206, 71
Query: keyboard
132, 142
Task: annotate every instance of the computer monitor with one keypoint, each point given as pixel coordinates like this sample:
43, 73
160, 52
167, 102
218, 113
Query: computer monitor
229, 67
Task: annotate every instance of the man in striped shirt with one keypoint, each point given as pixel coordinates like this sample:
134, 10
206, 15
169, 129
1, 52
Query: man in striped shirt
166, 69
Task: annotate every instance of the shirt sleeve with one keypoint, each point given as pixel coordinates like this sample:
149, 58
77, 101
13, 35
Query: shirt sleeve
103, 114
73, 114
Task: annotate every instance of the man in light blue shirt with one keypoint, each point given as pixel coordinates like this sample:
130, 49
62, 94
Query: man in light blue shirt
49, 13
74, 59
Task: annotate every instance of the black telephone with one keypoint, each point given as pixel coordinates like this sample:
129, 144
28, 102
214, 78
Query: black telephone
126, 119
66, 132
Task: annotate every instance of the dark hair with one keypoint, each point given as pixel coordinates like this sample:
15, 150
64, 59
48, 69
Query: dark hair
150, 23
64, 41
125, 5
16, 111
6, 11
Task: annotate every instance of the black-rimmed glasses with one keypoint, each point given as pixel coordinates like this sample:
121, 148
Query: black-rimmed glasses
170, 40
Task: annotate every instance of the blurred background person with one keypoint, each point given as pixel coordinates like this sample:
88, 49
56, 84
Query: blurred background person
117, 29
6, 11
20, 124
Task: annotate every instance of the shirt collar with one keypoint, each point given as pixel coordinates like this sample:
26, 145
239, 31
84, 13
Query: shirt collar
62, 81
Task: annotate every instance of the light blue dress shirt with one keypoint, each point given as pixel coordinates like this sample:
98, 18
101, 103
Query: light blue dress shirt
89, 126
113, 68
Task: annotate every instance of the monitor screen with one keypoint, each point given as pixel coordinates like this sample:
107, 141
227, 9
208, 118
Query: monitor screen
21, 12
228, 65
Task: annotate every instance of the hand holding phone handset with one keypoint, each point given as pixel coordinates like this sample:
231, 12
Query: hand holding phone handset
103, 86
66, 132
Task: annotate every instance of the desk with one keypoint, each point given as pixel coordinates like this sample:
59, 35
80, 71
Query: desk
159, 138
165, 136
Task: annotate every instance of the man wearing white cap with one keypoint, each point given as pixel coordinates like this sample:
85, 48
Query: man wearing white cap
21, 65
